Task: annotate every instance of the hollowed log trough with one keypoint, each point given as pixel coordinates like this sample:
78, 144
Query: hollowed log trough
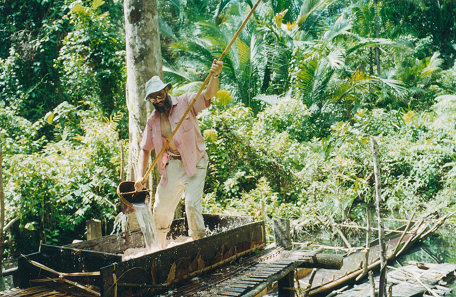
232, 237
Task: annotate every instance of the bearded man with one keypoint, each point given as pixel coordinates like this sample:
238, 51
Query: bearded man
183, 164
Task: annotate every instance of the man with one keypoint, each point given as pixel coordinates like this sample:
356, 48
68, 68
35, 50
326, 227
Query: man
183, 164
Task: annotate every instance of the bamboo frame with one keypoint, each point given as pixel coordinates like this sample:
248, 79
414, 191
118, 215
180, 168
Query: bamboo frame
62, 275
418, 229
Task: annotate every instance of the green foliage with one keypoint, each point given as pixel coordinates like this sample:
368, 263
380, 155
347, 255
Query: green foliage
288, 115
54, 191
29, 82
91, 61
288, 134
333, 175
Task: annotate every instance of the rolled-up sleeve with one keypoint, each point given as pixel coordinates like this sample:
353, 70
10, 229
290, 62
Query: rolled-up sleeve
200, 103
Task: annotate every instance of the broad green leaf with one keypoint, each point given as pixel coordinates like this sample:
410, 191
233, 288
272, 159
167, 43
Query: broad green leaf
211, 134
97, 3
30, 226
433, 65
78, 8
49, 117
243, 51
223, 97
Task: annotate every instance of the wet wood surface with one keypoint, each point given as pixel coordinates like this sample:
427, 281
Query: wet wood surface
250, 276
98, 265
413, 280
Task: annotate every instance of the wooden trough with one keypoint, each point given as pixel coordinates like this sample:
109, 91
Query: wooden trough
96, 266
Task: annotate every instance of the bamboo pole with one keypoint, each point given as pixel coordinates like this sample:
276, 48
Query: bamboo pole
366, 253
411, 239
353, 274
437, 224
63, 280
331, 227
347, 250
309, 285
406, 220
122, 161
10, 223
372, 283
403, 234
2, 210
365, 228
381, 235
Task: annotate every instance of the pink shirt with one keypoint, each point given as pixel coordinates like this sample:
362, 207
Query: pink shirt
188, 139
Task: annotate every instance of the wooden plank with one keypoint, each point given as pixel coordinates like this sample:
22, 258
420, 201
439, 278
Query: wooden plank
234, 289
93, 229
228, 294
115, 244
118, 243
282, 233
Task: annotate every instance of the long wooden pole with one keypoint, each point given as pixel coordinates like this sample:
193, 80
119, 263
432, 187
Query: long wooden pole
206, 81
2, 210
381, 234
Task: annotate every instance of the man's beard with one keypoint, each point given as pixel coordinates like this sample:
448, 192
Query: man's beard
166, 105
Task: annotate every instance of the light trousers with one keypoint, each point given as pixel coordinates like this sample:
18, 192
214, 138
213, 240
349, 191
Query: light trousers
167, 197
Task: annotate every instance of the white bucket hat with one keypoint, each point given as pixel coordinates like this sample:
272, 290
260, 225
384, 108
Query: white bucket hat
155, 84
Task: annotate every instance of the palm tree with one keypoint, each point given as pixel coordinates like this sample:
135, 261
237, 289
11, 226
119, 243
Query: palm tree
422, 19
243, 66
324, 80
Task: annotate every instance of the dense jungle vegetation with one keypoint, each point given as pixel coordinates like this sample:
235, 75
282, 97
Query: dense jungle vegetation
304, 88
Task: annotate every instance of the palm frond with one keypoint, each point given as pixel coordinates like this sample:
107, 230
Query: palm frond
206, 29
432, 65
268, 99
258, 62
243, 51
396, 86
220, 7
172, 75
365, 83
187, 88
375, 42
336, 59
342, 26
323, 75
166, 30
309, 7
306, 74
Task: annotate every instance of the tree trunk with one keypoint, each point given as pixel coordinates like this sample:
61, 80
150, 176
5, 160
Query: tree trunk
377, 34
371, 62
143, 61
